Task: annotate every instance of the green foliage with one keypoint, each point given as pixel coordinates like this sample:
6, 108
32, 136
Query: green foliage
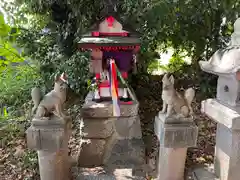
194, 26
176, 63
154, 65
49, 56
16, 84
8, 53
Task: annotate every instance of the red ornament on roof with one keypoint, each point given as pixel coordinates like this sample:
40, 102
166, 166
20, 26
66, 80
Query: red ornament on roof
110, 20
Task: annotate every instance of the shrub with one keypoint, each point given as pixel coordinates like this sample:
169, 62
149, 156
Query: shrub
15, 84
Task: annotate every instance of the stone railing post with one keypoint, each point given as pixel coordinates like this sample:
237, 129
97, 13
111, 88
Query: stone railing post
50, 138
175, 136
224, 110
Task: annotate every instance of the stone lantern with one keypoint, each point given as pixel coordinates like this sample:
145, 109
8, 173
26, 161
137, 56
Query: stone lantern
226, 64
225, 110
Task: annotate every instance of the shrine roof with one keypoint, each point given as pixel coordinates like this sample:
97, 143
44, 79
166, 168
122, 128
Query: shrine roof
126, 26
108, 41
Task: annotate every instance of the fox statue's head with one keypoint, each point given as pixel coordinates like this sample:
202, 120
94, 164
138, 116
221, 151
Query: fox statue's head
167, 82
61, 82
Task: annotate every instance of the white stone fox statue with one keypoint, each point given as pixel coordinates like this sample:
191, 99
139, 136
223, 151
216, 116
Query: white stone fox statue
172, 100
53, 101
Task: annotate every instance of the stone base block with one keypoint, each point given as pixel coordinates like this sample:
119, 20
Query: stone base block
104, 109
97, 128
103, 131
125, 127
171, 163
229, 117
128, 127
48, 134
100, 135
227, 151
177, 135
54, 165
126, 162
98, 150
91, 152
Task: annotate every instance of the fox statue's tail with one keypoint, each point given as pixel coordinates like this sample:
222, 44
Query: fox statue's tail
36, 98
189, 95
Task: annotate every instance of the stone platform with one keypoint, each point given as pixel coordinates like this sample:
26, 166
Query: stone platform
126, 162
104, 136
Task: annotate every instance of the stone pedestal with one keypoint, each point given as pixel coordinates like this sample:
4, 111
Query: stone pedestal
50, 138
101, 132
175, 136
227, 149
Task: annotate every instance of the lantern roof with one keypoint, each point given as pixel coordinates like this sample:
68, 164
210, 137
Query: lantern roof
225, 61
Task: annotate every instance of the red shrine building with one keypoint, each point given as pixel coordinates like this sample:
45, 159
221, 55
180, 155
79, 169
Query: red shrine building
108, 41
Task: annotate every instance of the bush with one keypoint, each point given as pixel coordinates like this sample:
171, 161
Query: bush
16, 83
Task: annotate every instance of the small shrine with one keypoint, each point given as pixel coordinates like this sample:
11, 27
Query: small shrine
109, 116
113, 55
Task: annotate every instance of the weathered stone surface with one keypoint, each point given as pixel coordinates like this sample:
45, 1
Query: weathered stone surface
54, 165
97, 128
104, 109
180, 135
171, 163
175, 136
118, 174
125, 127
104, 131
48, 135
128, 127
227, 153
91, 152
228, 90
126, 162
222, 114
174, 119
50, 121
126, 154
43, 139
202, 173
98, 131
110, 143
